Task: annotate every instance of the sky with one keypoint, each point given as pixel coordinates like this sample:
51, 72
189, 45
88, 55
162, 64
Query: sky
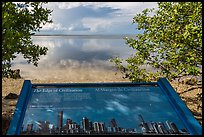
94, 17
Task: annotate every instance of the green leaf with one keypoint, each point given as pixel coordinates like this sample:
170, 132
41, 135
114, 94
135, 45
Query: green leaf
17, 24
174, 35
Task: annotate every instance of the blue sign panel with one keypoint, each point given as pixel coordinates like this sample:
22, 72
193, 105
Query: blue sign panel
102, 108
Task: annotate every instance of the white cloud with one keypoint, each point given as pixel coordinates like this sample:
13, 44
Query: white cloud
120, 107
131, 6
94, 17
69, 5
111, 25
92, 45
97, 24
53, 26
110, 108
130, 9
114, 105
50, 110
78, 27
126, 8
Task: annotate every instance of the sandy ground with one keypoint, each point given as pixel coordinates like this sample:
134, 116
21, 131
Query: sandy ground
15, 85
69, 76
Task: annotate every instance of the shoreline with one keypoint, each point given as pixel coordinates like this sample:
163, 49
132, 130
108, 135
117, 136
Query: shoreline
10, 85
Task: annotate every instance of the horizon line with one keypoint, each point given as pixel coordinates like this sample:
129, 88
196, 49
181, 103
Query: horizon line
81, 34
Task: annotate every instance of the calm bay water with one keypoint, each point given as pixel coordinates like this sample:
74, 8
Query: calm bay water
74, 55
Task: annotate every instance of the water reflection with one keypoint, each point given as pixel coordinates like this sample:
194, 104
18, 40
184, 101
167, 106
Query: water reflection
82, 50
76, 52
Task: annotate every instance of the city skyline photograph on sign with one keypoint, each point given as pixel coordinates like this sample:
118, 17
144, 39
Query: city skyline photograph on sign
103, 110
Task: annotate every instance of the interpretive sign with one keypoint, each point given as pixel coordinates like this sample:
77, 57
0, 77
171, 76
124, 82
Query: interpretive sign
102, 108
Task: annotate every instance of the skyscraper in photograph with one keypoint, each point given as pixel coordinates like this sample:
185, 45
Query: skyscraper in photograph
29, 127
151, 128
162, 128
40, 125
155, 126
168, 125
46, 128
143, 124
90, 125
101, 126
174, 127
85, 123
113, 123
140, 118
68, 123
96, 127
60, 119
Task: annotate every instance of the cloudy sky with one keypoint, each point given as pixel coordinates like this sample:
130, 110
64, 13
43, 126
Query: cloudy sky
94, 17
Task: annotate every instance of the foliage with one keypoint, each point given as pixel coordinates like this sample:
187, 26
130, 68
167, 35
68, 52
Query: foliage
19, 22
171, 43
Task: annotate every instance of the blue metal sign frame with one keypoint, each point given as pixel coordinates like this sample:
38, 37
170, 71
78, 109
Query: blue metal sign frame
192, 125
